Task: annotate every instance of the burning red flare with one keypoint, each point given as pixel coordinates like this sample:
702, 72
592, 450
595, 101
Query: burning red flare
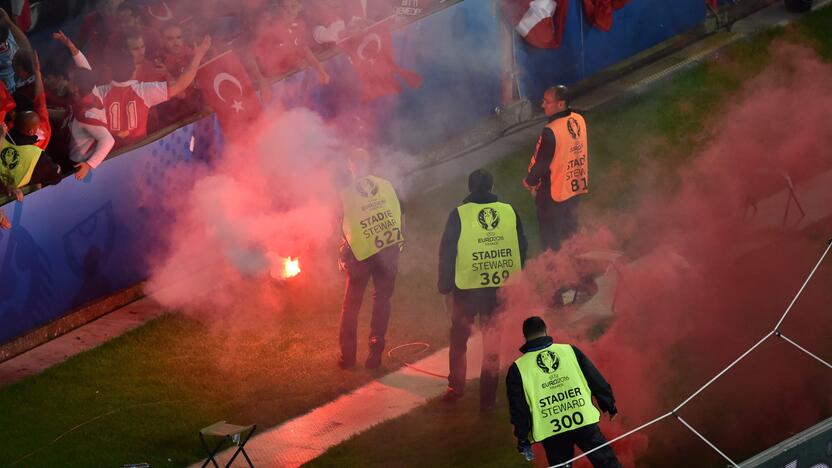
291, 267
283, 268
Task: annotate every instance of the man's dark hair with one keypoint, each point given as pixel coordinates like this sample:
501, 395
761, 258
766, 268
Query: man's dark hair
23, 102
125, 49
58, 66
24, 60
560, 92
4, 33
480, 181
122, 67
171, 24
85, 80
533, 326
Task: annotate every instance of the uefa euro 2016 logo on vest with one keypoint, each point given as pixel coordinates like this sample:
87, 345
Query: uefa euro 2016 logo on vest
574, 128
367, 188
10, 158
488, 218
548, 361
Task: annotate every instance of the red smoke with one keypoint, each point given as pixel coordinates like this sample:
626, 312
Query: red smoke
706, 284
268, 197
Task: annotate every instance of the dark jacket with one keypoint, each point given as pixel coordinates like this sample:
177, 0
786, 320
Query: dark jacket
540, 174
519, 408
450, 238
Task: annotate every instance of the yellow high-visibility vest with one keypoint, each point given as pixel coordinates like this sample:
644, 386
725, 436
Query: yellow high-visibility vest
372, 216
488, 249
556, 390
17, 163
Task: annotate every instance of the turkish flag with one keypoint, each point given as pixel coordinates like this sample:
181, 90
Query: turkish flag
227, 88
540, 22
599, 12
371, 55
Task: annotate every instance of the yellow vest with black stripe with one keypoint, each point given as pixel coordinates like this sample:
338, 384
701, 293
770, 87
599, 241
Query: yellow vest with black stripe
569, 169
556, 390
17, 163
488, 249
372, 216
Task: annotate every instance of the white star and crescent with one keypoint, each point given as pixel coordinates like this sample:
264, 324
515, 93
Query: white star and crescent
368, 39
237, 105
166, 16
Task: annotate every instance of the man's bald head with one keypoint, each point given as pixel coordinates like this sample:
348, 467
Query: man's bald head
27, 122
555, 99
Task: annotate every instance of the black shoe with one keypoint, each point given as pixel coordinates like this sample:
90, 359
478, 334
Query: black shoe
373, 361
451, 395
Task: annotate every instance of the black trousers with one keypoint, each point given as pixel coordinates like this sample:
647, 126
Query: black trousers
557, 221
382, 268
561, 447
468, 305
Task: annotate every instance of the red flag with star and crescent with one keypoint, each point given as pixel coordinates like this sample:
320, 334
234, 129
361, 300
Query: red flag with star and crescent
371, 55
227, 88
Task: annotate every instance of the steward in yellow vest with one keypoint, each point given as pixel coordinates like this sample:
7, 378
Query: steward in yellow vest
22, 159
372, 216
373, 235
550, 389
482, 247
559, 169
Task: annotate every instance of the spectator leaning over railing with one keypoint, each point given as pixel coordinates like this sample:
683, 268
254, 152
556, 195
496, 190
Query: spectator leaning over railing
127, 101
90, 142
23, 160
12, 39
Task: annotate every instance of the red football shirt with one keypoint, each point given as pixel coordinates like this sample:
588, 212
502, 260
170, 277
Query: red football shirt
127, 105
